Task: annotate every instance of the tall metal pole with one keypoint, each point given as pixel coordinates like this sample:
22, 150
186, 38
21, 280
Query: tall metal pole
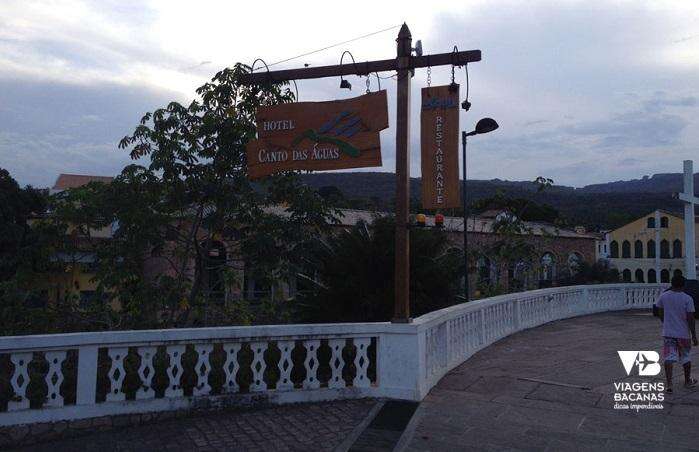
690, 250
402, 268
464, 138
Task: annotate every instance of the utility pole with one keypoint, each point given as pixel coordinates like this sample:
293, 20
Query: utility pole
403, 64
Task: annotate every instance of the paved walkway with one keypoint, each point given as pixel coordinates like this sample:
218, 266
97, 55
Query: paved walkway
528, 392
303, 427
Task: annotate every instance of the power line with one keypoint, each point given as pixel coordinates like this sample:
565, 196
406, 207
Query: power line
333, 45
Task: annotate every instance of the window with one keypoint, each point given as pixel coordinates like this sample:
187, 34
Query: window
664, 222
520, 275
639, 275
664, 276
677, 272
212, 265
664, 249
626, 249
651, 223
638, 249
677, 249
652, 276
484, 268
548, 269
614, 249
574, 261
650, 249
626, 275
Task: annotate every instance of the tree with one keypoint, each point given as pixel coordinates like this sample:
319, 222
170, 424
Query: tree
350, 275
585, 273
188, 201
17, 239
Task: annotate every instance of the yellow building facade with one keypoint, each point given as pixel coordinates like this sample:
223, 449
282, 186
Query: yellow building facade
650, 249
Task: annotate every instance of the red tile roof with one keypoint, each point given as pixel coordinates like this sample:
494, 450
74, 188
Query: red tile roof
66, 181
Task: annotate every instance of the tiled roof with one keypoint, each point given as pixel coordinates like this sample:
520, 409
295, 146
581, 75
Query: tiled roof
475, 224
66, 181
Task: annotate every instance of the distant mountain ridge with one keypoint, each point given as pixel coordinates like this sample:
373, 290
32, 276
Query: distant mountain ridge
597, 206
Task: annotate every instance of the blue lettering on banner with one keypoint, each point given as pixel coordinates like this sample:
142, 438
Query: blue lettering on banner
435, 102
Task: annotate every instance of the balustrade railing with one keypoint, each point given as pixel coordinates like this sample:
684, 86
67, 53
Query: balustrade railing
81, 375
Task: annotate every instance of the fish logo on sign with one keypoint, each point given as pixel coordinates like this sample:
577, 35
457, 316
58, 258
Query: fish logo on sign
645, 361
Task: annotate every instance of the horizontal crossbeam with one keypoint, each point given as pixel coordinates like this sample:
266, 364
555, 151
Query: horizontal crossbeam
686, 197
365, 68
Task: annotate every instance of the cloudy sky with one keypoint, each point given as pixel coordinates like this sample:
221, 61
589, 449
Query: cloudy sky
585, 92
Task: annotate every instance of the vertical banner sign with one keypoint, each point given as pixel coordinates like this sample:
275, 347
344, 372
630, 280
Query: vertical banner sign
439, 138
318, 135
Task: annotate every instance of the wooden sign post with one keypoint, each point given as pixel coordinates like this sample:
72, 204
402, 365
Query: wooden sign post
403, 64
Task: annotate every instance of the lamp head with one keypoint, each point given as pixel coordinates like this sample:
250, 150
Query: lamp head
345, 84
486, 125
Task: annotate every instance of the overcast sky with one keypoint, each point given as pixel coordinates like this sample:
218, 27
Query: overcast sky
584, 92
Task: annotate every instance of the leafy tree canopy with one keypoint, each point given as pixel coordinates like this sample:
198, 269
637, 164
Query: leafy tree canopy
187, 194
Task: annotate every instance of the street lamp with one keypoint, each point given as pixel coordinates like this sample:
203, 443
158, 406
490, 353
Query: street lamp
485, 125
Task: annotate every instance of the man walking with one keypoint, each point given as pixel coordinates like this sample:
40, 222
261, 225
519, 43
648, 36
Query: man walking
676, 311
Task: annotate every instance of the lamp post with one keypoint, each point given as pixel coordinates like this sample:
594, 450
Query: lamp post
485, 125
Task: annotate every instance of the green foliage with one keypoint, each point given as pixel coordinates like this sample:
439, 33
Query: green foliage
186, 194
586, 273
351, 274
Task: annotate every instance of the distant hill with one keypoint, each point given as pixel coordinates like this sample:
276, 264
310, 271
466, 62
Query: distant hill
657, 183
598, 206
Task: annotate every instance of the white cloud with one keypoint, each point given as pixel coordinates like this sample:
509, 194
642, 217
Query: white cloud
550, 72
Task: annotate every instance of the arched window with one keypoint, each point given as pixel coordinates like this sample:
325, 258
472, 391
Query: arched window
626, 249
638, 249
614, 249
664, 222
548, 269
484, 270
626, 275
574, 260
677, 272
651, 222
652, 278
520, 275
664, 275
650, 249
664, 249
639, 275
212, 266
677, 249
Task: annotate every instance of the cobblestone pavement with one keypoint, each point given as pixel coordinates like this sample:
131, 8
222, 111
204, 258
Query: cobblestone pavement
302, 427
528, 392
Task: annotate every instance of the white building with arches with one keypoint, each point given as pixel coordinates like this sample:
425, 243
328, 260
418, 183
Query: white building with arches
649, 249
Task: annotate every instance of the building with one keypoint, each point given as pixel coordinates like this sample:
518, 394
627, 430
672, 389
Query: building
649, 249
76, 277
557, 253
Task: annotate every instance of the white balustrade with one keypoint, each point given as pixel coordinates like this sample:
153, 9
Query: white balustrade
117, 373
54, 378
408, 359
146, 371
231, 367
311, 364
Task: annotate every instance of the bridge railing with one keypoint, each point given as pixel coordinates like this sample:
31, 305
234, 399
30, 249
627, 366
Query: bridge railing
450, 336
84, 375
